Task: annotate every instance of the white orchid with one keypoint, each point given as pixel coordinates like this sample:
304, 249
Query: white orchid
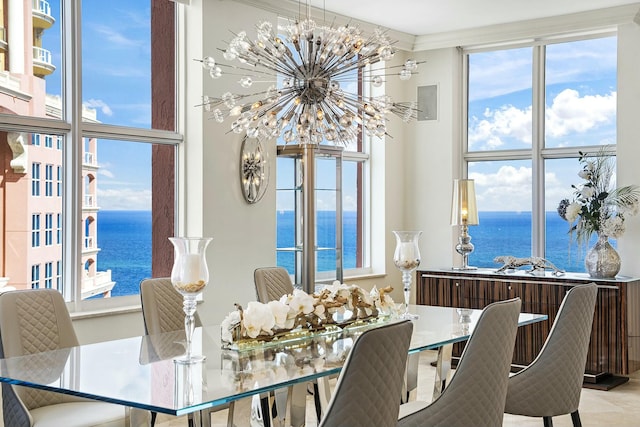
258, 318
301, 302
228, 325
281, 313
304, 311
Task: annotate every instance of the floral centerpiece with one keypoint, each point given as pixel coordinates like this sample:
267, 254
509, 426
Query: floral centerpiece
597, 206
300, 312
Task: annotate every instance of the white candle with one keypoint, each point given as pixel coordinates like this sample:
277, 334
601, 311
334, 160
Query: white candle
407, 252
190, 269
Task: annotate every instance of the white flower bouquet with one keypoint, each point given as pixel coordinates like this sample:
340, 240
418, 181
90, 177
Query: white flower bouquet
597, 206
336, 304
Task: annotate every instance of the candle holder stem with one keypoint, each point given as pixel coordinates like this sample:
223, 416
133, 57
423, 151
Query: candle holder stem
189, 307
406, 282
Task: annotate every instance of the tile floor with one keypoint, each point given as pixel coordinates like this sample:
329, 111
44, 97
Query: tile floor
618, 407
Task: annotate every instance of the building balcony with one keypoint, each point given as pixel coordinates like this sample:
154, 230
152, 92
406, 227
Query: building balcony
100, 284
89, 243
42, 64
89, 159
42, 18
89, 202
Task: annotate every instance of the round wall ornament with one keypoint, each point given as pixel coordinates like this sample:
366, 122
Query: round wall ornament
254, 170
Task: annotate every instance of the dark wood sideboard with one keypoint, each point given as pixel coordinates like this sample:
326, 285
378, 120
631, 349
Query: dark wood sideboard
613, 350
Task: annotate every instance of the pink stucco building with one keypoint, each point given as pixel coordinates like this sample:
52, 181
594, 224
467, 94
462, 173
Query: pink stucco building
31, 166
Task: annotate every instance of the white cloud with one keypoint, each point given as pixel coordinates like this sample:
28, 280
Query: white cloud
99, 104
568, 113
571, 113
509, 189
506, 122
124, 199
115, 38
106, 173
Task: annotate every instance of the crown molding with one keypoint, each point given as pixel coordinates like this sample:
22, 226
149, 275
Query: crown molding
291, 9
530, 30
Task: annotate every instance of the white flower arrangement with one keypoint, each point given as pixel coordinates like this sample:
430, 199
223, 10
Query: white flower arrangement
301, 311
597, 206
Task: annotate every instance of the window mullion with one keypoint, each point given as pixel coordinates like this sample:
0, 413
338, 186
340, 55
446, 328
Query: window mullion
537, 162
72, 114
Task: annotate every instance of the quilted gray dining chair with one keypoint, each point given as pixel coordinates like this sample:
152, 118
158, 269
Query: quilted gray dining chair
162, 312
476, 393
35, 321
369, 386
272, 283
162, 306
552, 383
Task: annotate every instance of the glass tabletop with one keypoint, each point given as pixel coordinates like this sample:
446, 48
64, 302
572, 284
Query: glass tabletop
140, 372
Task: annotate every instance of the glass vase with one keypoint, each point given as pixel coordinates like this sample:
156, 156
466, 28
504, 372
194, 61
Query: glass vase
602, 260
189, 276
406, 258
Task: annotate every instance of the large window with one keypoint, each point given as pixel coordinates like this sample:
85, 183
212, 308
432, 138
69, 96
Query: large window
114, 152
530, 111
355, 204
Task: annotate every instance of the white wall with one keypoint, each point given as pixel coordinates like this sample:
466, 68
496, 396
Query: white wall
243, 234
430, 159
629, 138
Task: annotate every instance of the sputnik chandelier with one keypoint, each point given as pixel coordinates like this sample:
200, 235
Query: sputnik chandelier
305, 69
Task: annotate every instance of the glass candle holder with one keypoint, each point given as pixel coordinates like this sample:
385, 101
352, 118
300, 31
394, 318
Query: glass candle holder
406, 258
189, 276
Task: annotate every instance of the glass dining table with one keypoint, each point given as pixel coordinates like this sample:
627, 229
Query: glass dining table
140, 372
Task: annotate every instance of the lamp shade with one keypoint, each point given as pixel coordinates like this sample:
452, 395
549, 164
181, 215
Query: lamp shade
463, 206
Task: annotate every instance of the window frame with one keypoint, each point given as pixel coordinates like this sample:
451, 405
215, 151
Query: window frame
538, 154
69, 128
35, 230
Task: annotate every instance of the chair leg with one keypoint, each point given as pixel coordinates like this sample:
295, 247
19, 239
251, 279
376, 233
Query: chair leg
575, 418
316, 400
266, 412
547, 421
153, 418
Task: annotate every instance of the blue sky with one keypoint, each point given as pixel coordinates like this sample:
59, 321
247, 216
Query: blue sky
580, 110
116, 78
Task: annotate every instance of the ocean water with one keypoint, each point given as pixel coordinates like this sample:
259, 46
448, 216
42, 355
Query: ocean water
509, 233
124, 239
499, 233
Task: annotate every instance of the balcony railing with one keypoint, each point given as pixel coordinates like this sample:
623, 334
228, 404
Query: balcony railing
42, 17
89, 243
42, 6
42, 55
101, 283
89, 158
42, 63
89, 201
